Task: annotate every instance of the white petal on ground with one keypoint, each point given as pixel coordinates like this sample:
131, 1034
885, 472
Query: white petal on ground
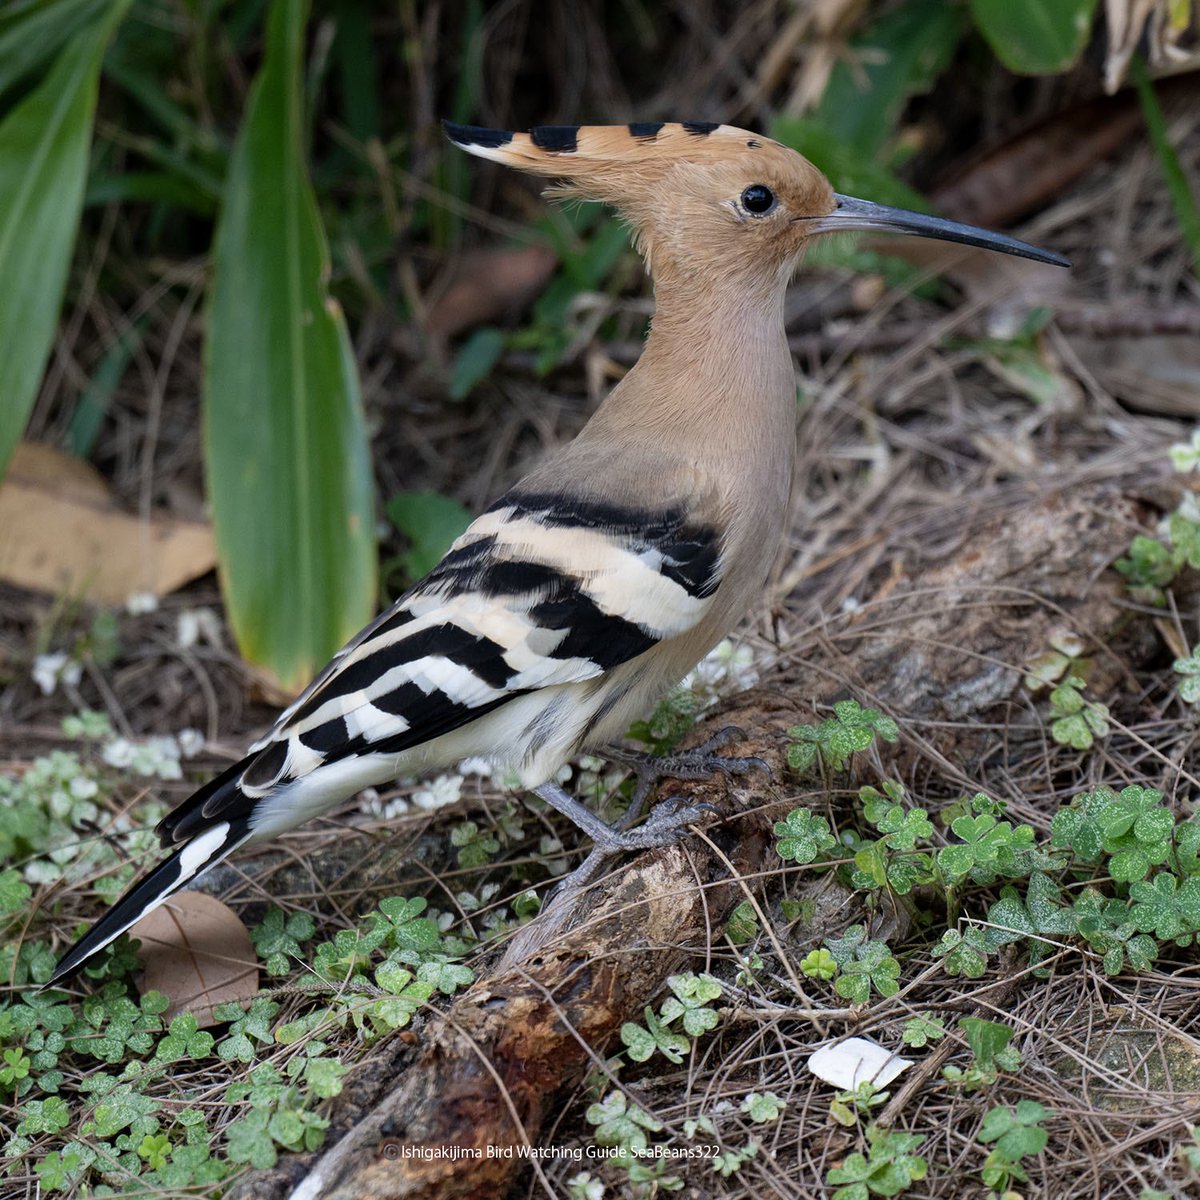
857, 1060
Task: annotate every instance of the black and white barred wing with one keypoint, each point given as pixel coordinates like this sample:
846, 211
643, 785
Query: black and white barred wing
537, 594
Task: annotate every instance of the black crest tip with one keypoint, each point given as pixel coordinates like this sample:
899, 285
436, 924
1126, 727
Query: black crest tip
475, 135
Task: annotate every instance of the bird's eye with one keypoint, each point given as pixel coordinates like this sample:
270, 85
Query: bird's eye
758, 200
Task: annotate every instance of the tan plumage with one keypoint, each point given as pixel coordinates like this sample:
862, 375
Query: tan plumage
599, 580
707, 415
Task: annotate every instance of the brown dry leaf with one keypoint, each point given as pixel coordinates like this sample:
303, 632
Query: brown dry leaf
490, 286
196, 951
1153, 374
1033, 168
61, 532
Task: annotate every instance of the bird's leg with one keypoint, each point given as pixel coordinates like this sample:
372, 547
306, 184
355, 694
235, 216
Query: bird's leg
662, 827
700, 762
665, 823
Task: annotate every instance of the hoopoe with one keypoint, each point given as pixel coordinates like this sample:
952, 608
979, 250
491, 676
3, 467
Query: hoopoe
599, 580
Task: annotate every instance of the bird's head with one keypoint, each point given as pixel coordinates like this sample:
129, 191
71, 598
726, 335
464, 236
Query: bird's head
707, 198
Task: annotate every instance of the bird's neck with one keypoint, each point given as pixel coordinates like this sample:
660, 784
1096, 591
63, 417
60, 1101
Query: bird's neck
715, 380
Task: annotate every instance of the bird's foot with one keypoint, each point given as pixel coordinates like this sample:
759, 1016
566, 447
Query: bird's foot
666, 822
703, 760
665, 825
700, 762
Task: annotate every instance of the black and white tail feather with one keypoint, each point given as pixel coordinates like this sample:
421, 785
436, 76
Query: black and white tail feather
495, 653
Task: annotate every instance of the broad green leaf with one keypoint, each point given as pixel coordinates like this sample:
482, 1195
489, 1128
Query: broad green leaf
289, 468
986, 1038
900, 55
849, 133
803, 836
475, 360
431, 522
33, 31
44, 144
1034, 37
1016, 1134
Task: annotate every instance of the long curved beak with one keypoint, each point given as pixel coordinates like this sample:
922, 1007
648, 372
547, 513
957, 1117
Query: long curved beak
852, 214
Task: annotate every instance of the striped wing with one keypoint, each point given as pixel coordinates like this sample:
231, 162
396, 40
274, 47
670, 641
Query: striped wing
539, 591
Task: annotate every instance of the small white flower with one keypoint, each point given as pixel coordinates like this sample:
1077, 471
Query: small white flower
740, 668
507, 780
139, 603
585, 1186
397, 806
445, 789
41, 870
475, 766
49, 670
191, 742
157, 756
187, 629
194, 624
1189, 508
725, 669
1185, 456
118, 753
160, 756
83, 788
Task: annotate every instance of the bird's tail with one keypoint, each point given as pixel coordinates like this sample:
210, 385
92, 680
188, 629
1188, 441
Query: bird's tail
192, 859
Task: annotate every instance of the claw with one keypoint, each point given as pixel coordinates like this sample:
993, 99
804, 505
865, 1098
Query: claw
700, 762
723, 736
743, 766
